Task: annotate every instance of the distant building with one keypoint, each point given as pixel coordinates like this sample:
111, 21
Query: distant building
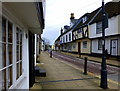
66, 36
57, 44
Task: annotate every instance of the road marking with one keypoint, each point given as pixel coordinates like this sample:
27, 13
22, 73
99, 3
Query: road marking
97, 76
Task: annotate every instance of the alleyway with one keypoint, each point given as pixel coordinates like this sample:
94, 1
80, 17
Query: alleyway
61, 75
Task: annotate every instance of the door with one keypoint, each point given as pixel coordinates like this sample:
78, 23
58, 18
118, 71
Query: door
114, 47
79, 48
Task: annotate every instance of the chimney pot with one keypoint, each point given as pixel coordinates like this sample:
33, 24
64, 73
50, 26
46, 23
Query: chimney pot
72, 16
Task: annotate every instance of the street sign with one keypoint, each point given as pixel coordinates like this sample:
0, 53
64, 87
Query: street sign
105, 19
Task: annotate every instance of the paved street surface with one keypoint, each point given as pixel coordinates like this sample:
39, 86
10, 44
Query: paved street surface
64, 75
93, 67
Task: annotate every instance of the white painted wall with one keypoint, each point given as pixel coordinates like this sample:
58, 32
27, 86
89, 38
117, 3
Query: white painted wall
119, 24
111, 30
95, 46
107, 45
61, 38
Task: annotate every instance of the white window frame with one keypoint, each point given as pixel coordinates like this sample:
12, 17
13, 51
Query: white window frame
99, 27
7, 43
14, 63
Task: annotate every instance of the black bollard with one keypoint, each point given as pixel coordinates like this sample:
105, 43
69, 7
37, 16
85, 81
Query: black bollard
51, 53
85, 66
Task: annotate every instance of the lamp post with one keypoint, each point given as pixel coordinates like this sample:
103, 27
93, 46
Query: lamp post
103, 83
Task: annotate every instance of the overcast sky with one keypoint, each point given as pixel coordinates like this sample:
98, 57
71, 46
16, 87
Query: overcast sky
58, 14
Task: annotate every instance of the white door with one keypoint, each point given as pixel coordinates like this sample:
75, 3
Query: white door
114, 47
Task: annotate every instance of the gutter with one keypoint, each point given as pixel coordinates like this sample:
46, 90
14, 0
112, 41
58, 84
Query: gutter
39, 8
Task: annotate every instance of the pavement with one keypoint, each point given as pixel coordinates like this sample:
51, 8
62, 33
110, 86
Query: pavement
63, 75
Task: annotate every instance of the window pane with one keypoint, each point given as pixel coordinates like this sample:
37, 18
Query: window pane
3, 30
17, 52
10, 53
100, 44
9, 32
8, 77
18, 70
99, 27
4, 79
20, 37
9, 80
3, 55
17, 36
66, 38
1, 80
20, 52
85, 44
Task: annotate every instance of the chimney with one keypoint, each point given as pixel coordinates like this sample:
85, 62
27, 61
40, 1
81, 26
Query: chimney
72, 16
61, 30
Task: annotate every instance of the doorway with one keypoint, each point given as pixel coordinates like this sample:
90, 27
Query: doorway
114, 47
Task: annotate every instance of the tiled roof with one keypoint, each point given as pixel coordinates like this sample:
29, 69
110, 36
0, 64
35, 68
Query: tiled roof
111, 8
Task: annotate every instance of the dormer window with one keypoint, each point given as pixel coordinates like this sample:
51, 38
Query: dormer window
79, 30
84, 19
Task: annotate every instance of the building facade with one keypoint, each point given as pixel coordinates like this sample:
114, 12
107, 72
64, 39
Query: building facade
112, 33
17, 43
86, 33
66, 36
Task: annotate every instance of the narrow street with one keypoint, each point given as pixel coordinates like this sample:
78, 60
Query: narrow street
62, 75
93, 67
